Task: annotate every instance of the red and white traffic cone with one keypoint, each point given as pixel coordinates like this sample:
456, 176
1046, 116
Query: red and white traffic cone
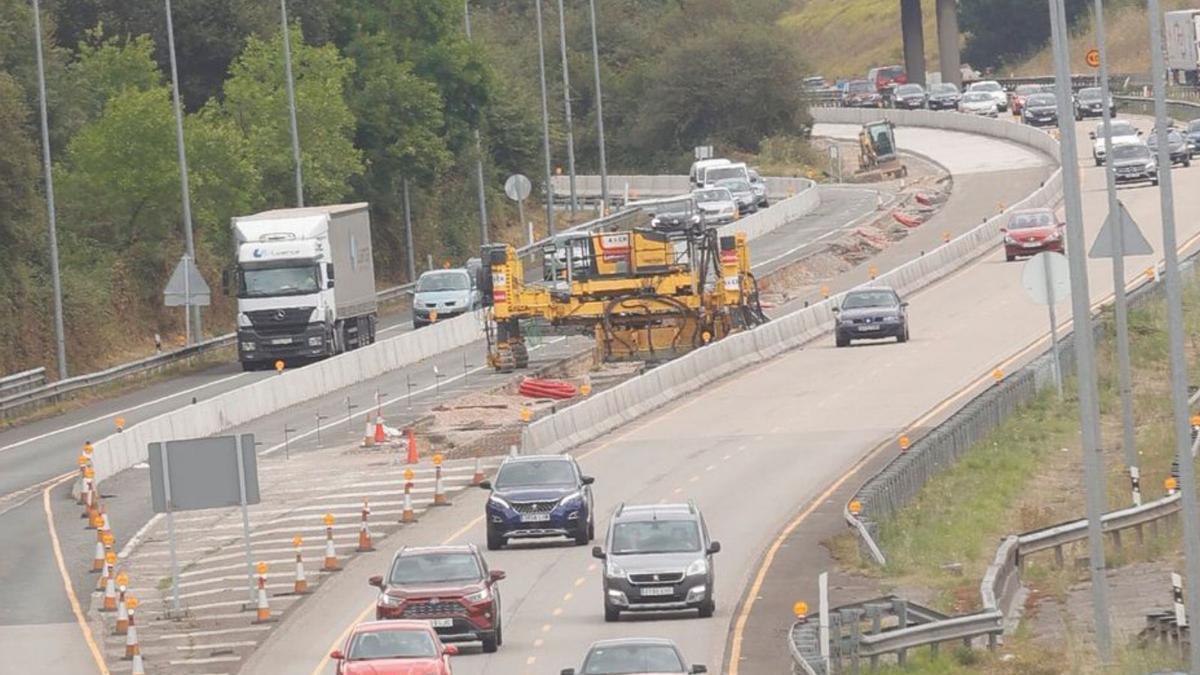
262, 611
110, 595
104, 525
137, 667
364, 534
410, 439
439, 492
408, 516
380, 434
368, 440
478, 477
122, 614
331, 561
98, 558
106, 573
132, 648
301, 585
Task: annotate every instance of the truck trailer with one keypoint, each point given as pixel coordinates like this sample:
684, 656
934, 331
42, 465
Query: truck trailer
1182, 40
305, 283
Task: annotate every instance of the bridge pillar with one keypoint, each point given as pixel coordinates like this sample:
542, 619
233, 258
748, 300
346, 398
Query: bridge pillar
914, 40
947, 37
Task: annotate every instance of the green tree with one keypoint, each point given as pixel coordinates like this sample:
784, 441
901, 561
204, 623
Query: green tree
106, 67
255, 103
1000, 31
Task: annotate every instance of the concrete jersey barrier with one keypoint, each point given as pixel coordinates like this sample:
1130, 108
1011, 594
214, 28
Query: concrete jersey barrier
649, 187
613, 408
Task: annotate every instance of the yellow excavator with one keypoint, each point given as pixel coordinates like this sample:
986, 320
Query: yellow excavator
644, 294
877, 151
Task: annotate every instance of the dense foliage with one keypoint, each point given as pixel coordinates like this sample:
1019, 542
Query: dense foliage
1004, 31
387, 91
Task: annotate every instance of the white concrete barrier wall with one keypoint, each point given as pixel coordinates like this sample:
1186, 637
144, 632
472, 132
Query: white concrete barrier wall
649, 187
290, 388
615, 407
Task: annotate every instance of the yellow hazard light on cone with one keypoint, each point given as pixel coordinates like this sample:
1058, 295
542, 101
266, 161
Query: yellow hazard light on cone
297, 541
432, 316
824, 291
1149, 272
873, 271
261, 568
585, 388
83, 460
408, 475
328, 519
89, 472
706, 336
946, 236
110, 558
1170, 484
999, 206
107, 539
88, 448
905, 444
120, 422
279, 366
1196, 420
122, 579
526, 413
855, 507
997, 375
437, 459
131, 602
800, 609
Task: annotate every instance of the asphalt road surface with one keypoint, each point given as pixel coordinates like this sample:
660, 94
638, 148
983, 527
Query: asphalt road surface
751, 450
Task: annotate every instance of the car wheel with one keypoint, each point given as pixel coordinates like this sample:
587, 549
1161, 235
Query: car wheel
903, 337
581, 537
841, 341
1187, 162
591, 530
490, 643
1009, 258
495, 540
1098, 162
611, 614
707, 608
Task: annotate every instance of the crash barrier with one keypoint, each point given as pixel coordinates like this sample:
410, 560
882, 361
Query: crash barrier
615, 407
654, 187
19, 382
271, 394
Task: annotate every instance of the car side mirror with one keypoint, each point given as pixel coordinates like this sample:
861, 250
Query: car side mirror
329, 284
714, 547
837, 310
337, 655
698, 668
485, 484
376, 581
588, 480
904, 304
1139, 132
450, 650
1092, 135
598, 553
497, 575
567, 671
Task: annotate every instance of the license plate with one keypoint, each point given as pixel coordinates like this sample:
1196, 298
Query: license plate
656, 591
281, 341
1032, 244
868, 328
442, 623
535, 517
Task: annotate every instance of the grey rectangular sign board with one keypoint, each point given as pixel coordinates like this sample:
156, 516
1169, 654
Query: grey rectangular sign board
202, 473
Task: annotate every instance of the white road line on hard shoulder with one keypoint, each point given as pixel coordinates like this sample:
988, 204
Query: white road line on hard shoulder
364, 413
211, 633
118, 413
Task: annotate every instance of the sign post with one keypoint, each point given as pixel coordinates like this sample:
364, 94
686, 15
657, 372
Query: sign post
518, 187
186, 288
1047, 279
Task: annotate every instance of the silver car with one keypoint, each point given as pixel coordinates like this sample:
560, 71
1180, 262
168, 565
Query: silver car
716, 204
442, 294
760, 189
743, 194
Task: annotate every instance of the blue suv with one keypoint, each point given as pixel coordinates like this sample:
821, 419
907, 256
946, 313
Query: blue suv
539, 496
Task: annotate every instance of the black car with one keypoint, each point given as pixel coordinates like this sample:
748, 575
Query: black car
634, 655
944, 96
539, 496
1134, 163
909, 96
1040, 109
1088, 103
1176, 144
862, 94
871, 314
1193, 137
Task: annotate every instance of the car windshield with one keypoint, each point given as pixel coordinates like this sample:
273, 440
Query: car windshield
861, 299
1131, 151
1118, 129
976, 97
392, 644
434, 568
860, 87
713, 195
535, 473
1038, 100
720, 173
271, 281
735, 185
947, 88
626, 659
909, 89
1173, 138
986, 86
1027, 89
1024, 221
1194, 125
432, 282
673, 209
1089, 94
655, 536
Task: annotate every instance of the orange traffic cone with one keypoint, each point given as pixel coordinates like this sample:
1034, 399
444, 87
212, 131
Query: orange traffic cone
110, 595
368, 440
122, 614
301, 585
478, 477
364, 534
132, 648
439, 492
408, 516
137, 667
110, 559
262, 610
331, 561
98, 558
380, 434
411, 441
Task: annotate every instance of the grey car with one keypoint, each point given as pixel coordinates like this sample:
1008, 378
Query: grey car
659, 559
871, 314
1134, 163
442, 294
910, 96
760, 189
743, 194
1177, 146
1040, 109
623, 656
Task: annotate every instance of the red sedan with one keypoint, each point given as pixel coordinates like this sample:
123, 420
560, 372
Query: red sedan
1031, 231
393, 648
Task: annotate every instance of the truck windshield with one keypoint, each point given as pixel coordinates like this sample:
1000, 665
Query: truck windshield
271, 281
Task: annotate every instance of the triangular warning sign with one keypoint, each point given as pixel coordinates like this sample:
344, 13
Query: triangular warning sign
1132, 240
186, 286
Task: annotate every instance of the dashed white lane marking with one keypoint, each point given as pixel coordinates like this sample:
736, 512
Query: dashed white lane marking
211, 633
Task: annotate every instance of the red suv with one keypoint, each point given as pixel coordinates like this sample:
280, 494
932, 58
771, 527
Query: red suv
1031, 231
448, 586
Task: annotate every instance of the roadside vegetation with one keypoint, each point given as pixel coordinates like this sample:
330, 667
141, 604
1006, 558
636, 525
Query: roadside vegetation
1028, 474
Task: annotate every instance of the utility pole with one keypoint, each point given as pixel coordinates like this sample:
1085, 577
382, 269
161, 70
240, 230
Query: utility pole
1085, 352
483, 219
194, 332
1117, 239
408, 235
291, 94
537, 6
562, 45
1175, 335
599, 113
60, 344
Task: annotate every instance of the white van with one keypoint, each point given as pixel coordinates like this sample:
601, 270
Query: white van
723, 171
696, 175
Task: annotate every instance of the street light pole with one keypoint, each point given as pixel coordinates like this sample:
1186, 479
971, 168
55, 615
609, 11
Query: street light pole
194, 331
291, 94
537, 6
599, 112
60, 344
562, 45
483, 218
1085, 352
1175, 331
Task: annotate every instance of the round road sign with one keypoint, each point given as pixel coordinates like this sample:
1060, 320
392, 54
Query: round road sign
517, 187
1093, 58
1034, 278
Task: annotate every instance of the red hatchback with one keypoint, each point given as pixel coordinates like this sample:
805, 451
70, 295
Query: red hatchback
393, 648
1032, 231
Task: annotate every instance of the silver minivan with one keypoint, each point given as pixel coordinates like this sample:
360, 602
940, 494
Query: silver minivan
442, 294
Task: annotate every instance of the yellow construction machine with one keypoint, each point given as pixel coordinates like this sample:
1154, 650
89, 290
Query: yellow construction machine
877, 151
644, 294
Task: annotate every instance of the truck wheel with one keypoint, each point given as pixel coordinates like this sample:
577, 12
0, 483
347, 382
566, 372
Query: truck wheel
250, 366
505, 360
520, 354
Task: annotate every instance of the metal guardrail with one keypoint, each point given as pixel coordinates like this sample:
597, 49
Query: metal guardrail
1114, 522
1150, 101
24, 381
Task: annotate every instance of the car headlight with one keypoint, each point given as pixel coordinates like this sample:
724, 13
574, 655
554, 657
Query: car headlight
1009, 240
695, 219
479, 596
697, 568
572, 499
499, 501
316, 341
1150, 166
249, 346
388, 601
614, 571
891, 319
654, 222
1054, 236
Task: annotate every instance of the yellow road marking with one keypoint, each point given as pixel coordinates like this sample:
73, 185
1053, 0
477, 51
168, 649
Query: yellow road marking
568, 596
557, 611
546, 628
101, 666
539, 642
530, 661
580, 581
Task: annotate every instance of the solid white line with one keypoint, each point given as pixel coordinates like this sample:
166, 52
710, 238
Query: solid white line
119, 412
841, 228
406, 324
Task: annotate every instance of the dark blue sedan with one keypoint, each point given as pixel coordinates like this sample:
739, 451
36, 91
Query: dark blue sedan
539, 496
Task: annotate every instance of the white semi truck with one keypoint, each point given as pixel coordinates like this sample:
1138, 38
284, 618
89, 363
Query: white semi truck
305, 283
1182, 41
